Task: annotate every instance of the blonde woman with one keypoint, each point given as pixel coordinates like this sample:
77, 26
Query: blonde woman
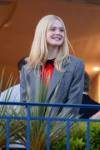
50, 56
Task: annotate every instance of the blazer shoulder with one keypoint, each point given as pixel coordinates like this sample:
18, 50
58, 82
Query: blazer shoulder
73, 60
25, 68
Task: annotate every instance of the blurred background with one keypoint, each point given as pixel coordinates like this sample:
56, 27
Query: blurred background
18, 19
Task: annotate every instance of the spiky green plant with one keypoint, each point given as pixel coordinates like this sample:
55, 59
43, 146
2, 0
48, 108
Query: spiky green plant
38, 128
3, 111
7, 111
38, 136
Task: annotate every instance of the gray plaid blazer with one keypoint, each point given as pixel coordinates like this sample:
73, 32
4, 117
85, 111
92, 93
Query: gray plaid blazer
70, 87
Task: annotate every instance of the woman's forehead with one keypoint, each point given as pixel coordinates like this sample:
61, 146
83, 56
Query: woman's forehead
56, 23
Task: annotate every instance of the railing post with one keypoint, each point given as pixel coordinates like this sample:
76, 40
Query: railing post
48, 133
8, 131
88, 135
28, 127
68, 135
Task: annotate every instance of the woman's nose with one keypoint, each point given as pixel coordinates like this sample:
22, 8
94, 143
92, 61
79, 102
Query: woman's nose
57, 31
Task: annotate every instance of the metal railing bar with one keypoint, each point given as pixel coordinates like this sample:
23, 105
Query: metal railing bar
68, 136
28, 128
52, 119
88, 135
50, 104
7, 135
48, 119
48, 133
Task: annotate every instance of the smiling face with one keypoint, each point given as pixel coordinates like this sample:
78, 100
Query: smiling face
55, 34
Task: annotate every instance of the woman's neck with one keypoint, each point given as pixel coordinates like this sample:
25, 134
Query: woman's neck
52, 52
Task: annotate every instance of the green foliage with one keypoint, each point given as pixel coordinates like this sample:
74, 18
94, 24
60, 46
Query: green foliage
78, 137
60, 145
95, 136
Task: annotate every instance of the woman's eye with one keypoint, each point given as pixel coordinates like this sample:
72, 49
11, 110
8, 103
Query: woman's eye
61, 30
52, 29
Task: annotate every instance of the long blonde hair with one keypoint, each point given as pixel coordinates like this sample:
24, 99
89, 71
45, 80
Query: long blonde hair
39, 49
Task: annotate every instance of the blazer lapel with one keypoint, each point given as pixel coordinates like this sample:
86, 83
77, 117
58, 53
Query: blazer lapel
54, 81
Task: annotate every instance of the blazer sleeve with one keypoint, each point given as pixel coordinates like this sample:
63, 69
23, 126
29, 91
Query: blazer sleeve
23, 86
77, 85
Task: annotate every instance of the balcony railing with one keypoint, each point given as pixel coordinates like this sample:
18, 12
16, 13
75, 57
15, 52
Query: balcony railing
48, 119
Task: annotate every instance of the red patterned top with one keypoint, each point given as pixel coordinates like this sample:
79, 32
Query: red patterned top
47, 70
